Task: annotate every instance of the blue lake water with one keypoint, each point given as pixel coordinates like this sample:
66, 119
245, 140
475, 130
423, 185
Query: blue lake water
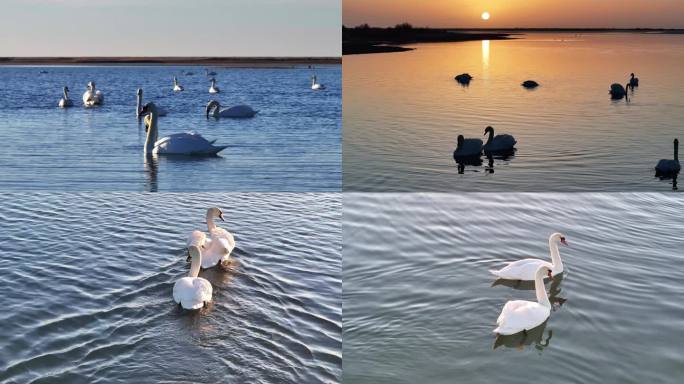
419, 304
293, 144
88, 278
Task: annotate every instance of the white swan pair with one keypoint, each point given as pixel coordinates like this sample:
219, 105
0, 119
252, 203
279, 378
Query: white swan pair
190, 143
521, 315
236, 111
193, 292
92, 97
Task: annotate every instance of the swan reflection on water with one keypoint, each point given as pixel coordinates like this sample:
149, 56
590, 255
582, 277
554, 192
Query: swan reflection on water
524, 285
151, 166
477, 161
534, 337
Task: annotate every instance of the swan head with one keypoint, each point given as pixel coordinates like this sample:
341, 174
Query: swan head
139, 92
631, 75
558, 237
66, 89
91, 85
459, 141
215, 212
488, 130
211, 105
544, 271
149, 108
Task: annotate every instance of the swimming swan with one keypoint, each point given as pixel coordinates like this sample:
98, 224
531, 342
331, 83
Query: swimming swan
214, 88
526, 268
176, 87
236, 111
92, 97
529, 84
138, 105
633, 81
498, 143
617, 91
192, 292
669, 167
521, 315
467, 147
189, 143
65, 101
217, 249
463, 79
212, 73
315, 85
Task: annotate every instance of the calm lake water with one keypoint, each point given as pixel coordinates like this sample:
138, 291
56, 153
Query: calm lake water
419, 304
293, 144
403, 112
87, 290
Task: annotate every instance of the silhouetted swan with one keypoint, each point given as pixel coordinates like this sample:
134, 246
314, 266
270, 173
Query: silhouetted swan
92, 97
213, 88
192, 292
237, 111
65, 101
530, 84
526, 268
669, 167
467, 147
217, 249
177, 87
498, 143
617, 91
138, 105
463, 79
522, 315
633, 81
190, 143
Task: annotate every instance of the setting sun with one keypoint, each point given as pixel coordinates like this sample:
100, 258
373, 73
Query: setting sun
485, 15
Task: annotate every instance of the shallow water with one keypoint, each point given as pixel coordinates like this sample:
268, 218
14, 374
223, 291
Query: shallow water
87, 290
403, 112
419, 304
293, 143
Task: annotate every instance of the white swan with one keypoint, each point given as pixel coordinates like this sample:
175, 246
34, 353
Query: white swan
526, 268
92, 97
521, 315
669, 167
315, 85
467, 147
237, 111
617, 91
138, 105
217, 249
190, 143
214, 88
65, 101
498, 143
176, 87
192, 292
633, 81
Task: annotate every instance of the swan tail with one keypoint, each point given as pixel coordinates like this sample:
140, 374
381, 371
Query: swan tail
495, 273
218, 148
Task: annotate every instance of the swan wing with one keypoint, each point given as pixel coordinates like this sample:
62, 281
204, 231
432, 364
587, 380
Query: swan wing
197, 238
519, 315
190, 143
238, 111
524, 269
222, 244
192, 292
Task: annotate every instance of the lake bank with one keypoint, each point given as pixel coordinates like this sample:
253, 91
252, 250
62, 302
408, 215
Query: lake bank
267, 62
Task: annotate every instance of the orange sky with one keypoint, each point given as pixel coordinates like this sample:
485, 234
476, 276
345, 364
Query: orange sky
517, 13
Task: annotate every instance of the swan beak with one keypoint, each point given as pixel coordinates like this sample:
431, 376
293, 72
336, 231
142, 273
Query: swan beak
563, 241
221, 217
549, 274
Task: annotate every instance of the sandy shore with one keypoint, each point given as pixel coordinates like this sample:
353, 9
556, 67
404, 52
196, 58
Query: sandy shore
276, 62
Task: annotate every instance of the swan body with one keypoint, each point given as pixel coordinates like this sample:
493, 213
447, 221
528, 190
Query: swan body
213, 88
525, 269
617, 91
633, 81
498, 143
218, 247
176, 87
193, 292
463, 78
92, 97
236, 111
467, 147
190, 143
65, 101
669, 167
315, 85
138, 105
521, 315
530, 84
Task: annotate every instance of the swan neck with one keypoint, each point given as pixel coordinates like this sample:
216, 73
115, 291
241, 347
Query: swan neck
555, 256
676, 150
196, 261
210, 221
151, 134
491, 136
138, 105
66, 95
540, 290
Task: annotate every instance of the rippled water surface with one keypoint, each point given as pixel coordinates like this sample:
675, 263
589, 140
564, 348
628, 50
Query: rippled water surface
87, 290
419, 304
403, 112
293, 144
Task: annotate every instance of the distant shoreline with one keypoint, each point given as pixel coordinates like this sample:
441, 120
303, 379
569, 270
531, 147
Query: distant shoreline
273, 62
366, 39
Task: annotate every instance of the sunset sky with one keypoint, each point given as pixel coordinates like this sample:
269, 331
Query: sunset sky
517, 13
170, 27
